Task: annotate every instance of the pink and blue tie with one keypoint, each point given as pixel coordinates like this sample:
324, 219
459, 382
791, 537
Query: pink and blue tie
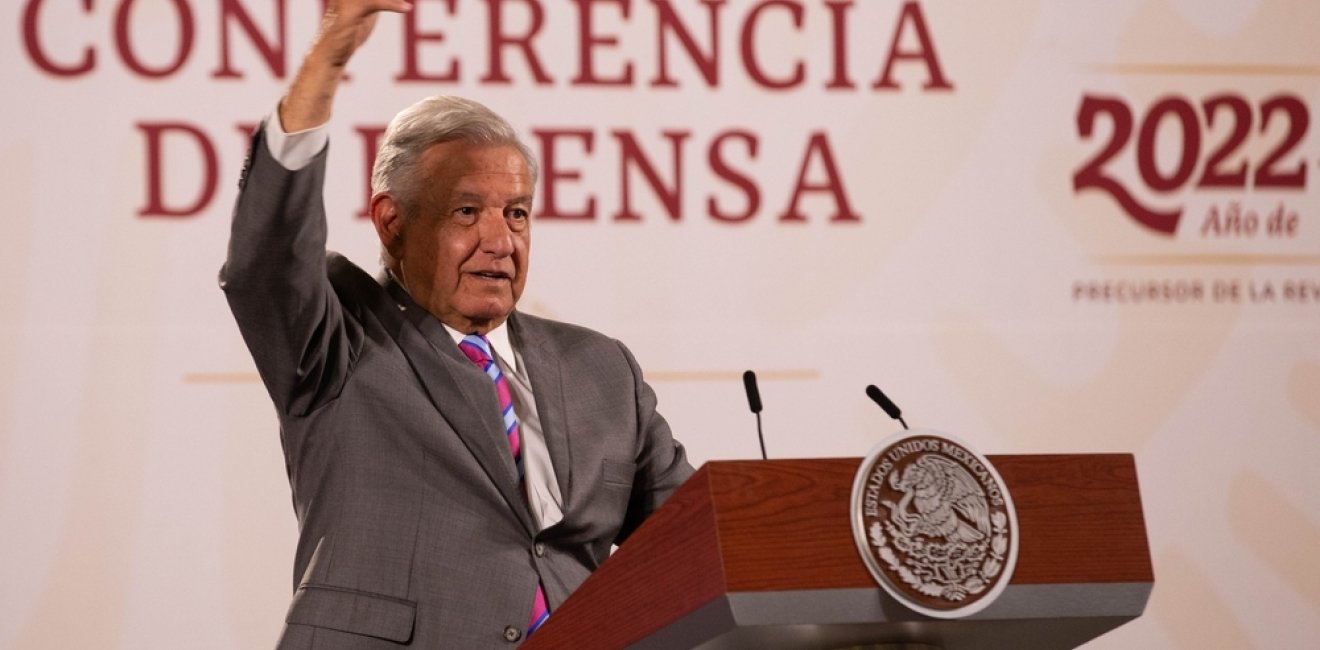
477, 349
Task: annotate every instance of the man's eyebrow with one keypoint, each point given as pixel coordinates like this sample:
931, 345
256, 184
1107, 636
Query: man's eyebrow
477, 198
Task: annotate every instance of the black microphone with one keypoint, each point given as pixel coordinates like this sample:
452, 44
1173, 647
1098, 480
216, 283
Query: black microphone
885, 403
754, 403
753, 395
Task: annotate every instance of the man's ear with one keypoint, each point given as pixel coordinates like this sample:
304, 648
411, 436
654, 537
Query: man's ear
387, 217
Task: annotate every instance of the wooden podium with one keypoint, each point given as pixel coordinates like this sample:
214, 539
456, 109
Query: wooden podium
760, 554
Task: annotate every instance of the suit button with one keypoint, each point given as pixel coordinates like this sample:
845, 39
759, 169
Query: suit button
539, 549
512, 634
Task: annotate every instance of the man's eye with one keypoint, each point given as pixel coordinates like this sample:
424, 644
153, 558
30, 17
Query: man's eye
516, 213
467, 211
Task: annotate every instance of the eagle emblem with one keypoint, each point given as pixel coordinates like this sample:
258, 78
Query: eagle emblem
940, 501
934, 524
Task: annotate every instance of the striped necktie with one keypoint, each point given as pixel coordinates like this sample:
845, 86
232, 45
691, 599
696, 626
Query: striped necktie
477, 349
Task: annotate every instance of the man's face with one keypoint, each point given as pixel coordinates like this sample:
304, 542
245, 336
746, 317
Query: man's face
463, 255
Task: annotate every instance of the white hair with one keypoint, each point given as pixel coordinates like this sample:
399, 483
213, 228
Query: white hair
431, 121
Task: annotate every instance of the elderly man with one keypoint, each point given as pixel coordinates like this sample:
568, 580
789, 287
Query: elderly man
457, 467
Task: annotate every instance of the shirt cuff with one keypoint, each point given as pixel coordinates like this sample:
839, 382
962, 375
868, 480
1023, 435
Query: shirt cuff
293, 151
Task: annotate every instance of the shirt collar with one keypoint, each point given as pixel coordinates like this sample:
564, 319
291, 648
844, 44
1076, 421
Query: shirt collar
499, 341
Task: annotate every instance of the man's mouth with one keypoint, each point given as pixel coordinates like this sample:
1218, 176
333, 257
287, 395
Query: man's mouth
491, 275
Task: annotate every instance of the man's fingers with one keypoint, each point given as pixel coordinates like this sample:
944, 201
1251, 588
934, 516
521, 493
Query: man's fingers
348, 23
397, 6
364, 8
362, 15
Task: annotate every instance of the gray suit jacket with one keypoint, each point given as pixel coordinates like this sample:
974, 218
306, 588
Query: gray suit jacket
413, 529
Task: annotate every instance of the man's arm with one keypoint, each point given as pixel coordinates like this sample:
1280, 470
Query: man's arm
275, 275
662, 463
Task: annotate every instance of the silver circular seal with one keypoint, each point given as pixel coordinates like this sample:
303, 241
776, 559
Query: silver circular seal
934, 524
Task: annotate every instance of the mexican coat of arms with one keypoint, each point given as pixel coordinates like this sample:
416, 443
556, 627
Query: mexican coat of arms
934, 524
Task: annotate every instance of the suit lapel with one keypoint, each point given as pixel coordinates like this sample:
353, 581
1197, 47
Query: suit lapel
545, 375
446, 372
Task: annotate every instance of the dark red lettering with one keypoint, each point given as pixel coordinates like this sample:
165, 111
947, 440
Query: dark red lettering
721, 169
748, 44
925, 52
631, 155
1093, 174
155, 134
1299, 118
412, 40
670, 23
839, 31
272, 51
833, 184
1238, 108
1190, 152
123, 42
588, 41
552, 174
499, 40
31, 41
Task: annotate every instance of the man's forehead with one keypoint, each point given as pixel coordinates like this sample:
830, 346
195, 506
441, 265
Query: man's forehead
476, 172
459, 157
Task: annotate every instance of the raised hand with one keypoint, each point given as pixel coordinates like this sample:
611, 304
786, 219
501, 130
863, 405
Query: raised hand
344, 28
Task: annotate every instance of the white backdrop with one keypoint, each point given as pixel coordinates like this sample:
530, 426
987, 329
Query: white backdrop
955, 235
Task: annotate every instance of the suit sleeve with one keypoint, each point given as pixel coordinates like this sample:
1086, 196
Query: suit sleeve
662, 463
274, 278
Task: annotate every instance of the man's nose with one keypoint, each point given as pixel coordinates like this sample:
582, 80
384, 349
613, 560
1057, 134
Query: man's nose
496, 237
